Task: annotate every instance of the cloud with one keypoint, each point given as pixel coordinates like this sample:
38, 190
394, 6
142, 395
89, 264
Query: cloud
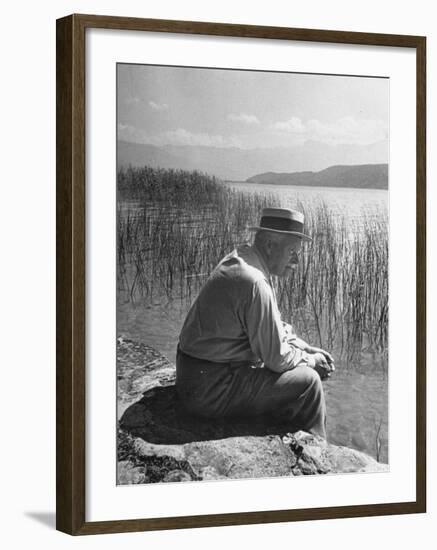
343, 130
244, 118
184, 137
132, 100
158, 106
294, 124
179, 136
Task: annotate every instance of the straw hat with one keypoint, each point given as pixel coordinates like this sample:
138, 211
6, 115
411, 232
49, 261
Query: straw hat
282, 220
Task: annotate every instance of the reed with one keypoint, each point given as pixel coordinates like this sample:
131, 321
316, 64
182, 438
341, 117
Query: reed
182, 223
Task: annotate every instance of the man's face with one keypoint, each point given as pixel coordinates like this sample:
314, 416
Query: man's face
283, 256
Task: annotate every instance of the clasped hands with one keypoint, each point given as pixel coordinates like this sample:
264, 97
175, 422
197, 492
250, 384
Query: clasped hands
318, 359
321, 361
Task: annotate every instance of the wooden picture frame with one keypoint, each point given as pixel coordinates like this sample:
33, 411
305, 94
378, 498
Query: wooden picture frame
71, 287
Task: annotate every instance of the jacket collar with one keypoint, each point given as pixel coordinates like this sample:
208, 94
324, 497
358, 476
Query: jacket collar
253, 257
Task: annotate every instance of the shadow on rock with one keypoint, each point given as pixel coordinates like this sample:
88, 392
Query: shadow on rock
159, 418
158, 442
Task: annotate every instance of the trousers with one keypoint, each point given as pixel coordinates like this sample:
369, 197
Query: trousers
215, 390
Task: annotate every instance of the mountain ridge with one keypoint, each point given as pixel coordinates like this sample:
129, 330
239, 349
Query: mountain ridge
364, 176
232, 163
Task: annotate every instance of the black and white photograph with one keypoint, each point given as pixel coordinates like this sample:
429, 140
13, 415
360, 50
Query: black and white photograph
252, 274
217, 283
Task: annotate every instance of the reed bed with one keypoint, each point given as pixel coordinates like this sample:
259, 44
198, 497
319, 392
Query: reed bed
182, 223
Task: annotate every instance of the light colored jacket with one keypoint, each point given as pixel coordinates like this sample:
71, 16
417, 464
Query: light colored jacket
235, 318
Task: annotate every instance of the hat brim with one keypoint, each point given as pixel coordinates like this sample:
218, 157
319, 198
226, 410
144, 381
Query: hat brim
302, 235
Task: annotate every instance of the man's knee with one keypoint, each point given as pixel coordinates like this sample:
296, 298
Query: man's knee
304, 376
302, 383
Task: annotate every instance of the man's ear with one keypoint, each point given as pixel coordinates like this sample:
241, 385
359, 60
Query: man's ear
268, 245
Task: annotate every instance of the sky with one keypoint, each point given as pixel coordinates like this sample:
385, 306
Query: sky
163, 105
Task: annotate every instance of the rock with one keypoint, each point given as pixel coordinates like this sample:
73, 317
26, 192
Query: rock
317, 456
240, 457
139, 368
176, 476
232, 458
128, 473
158, 442
158, 461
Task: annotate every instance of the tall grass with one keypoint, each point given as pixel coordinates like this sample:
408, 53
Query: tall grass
184, 222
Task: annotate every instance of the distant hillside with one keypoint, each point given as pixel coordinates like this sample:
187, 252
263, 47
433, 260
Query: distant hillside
369, 176
232, 163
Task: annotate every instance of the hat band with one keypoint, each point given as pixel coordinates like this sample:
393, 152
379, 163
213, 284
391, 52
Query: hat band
281, 224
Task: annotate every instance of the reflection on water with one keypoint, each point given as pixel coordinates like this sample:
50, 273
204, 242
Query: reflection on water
348, 202
357, 404
357, 395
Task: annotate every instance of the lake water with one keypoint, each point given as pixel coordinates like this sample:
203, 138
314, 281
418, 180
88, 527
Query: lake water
357, 395
352, 204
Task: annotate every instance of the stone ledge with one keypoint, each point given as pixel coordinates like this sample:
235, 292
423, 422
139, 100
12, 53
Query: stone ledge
157, 442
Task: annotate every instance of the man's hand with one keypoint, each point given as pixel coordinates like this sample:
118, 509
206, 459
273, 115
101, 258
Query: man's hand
318, 359
328, 356
319, 363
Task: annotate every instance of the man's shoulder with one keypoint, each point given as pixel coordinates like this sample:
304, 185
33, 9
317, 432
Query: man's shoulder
242, 263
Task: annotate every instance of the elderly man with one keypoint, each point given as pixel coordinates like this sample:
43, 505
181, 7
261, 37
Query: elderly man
235, 356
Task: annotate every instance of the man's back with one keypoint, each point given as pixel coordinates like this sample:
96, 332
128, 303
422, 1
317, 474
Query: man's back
215, 328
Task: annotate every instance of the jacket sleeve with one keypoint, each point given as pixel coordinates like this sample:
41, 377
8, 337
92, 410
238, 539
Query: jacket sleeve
267, 336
